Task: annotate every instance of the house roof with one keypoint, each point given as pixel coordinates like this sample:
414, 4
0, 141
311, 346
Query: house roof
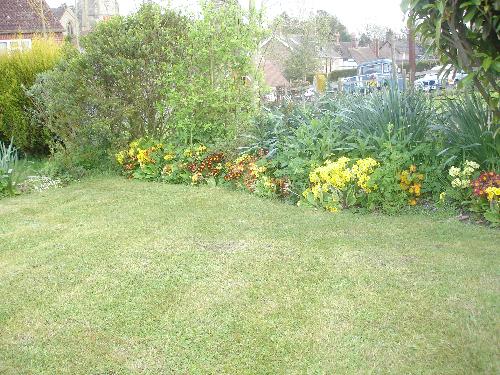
20, 16
273, 75
293, 41
329, 50
362, 54
58, 12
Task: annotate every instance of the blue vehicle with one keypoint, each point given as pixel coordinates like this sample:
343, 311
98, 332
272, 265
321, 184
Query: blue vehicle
372, 75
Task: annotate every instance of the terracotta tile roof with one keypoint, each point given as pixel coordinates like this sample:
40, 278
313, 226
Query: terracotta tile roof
273, 75
24, 16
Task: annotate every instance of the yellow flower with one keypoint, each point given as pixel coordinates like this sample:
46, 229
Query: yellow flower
404, 178
442, 196
331, 208
492, 192
201, 149
412, 202
413, 168
195, 177
120, 157
306, 192
143, 157
454, 172
169, 156
416, 189
167, 169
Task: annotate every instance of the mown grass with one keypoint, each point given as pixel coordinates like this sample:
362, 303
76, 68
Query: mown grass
110, 276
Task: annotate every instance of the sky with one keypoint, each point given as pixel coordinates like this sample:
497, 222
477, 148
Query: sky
355, 14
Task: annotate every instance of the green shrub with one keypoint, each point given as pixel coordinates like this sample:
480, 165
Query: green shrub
112, 92
410, 113
335, 75
18, 72
154, 74
470, 131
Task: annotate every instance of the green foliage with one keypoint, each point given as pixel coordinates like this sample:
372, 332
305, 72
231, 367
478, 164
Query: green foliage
10, 169
18, 71
387, 193
336, 74
153, 74
464, 34
111, 93
388, 116
302, 62
214, 92
470, 132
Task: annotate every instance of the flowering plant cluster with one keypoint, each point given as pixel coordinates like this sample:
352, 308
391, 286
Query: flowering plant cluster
486, 196
487, 185
142, 159
152, 160
477, 193
411, 182
340, 184
253, 172
461, 178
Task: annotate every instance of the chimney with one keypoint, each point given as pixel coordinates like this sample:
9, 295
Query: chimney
354, 41
337, 38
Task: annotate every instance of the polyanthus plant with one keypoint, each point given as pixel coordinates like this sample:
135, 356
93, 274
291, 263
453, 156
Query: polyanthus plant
486, 196
460, 181
340, 184
254, 173
410, 180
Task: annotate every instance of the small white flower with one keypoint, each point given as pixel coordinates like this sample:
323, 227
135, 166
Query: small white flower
468, 170
454, 171
472, 164
456, 183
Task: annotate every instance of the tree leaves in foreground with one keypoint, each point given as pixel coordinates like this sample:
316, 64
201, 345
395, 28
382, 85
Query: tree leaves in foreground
465, 34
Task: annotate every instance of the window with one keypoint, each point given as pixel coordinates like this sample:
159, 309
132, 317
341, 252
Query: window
15, 45
371, 69
69, 28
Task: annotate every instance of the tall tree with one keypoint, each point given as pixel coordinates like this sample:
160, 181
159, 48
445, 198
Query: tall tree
465, 34
301, 62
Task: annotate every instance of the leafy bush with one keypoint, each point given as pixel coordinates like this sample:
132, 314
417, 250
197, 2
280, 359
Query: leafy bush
470, 132
214, 94
112, 92
336, 74
18, 71
152, 74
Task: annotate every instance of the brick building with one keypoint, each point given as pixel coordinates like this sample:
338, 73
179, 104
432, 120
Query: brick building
22, 20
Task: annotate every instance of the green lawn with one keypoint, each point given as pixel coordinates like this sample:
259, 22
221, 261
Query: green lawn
111, 276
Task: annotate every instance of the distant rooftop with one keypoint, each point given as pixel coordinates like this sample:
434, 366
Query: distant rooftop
19, 16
